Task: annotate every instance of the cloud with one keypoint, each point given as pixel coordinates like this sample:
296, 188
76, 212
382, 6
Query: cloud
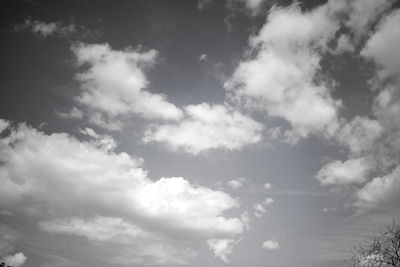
222, 248
259, 210
360, 134
46, 29
202, 4
237, 183
267, 186
203, 57
96, 229
382, 46
135, 244
245, 219
113, 86
363, 13
268, 201
4, 124
103, 142
344, 44
343, 173
387, 105
207, 127
15, 260
328, 210
73, 113
271, 245
281, 78
253, 6
46, 177
381, 191
8, 238
372, 143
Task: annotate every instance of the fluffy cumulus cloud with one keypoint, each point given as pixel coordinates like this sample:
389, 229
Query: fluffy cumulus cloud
259, 210
113, 85
47, 177
207, 127
281, 78
222, 248
267, 186
372, 143
344, 44
269, 201
15, 260
271, 245
384, 189
382, 46
363, 13
387, 106
343, 173
360, 134
237, 183
381, 191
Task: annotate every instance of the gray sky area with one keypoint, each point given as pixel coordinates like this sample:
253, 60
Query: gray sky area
197, 133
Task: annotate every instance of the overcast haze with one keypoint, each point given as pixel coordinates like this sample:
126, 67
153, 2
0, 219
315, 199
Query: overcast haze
197, 133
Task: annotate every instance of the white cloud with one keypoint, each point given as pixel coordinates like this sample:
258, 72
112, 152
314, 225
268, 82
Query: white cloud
222, 248
113, 85
207, 127
73, 113
268, 201
328, 210
15, 260
343, 173
96, 229
46, 29
381, 191
259, 210
245, 219
203, 57
8, 238
360, 134
373, 143
3, 125
103, 142
235, 184
362, 13
267, 186
387, 106
344, 44
42, 28
250, 7
201, 4
280, 79
271, 245
59, 173
121, 233
254, 6
382, 46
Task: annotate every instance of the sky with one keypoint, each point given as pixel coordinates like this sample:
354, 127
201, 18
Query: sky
197, 132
